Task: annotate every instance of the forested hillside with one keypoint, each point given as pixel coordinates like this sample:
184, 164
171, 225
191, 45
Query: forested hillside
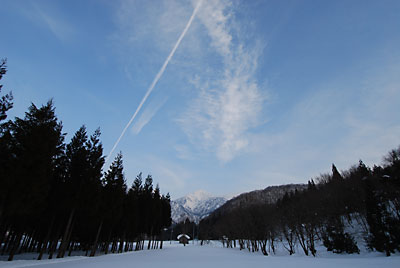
55, 197
268, 195
368, 198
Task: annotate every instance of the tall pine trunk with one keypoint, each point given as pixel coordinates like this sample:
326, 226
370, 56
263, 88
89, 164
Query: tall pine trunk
15, 246
64, 242
94, 248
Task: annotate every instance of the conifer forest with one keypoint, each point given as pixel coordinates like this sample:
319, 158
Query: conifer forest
364, 199
55, 197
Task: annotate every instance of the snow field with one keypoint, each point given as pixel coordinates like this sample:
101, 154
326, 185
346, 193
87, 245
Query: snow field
209, 256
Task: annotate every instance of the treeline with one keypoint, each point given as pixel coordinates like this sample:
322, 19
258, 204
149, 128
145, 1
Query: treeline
361, 198
185, 227
54, 197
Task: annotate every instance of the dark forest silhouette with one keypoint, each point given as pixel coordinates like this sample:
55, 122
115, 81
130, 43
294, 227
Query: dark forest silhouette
54, 197
361, 196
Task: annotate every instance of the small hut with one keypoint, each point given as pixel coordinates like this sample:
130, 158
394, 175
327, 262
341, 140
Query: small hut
183, 239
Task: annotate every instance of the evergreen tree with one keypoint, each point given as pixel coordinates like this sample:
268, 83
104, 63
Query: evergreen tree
77, 171
37, 143
113, 195
383, 221
335, 174
336, 240
6, 100
88, 211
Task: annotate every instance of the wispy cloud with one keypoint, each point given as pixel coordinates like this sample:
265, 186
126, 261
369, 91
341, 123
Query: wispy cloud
157, 77
183, 152
230, 103
148, 113
341, 121
52, 20
219, 60
155, 25
172, 176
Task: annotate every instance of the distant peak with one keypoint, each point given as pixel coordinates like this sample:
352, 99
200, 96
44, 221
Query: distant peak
195, 206
200, 195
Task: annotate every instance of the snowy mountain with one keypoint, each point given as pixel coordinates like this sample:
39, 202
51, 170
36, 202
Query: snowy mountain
195, 206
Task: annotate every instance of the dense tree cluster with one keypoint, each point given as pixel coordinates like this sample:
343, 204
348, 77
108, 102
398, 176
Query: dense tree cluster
54, 197
361, 196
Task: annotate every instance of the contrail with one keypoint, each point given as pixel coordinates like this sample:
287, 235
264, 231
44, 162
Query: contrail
158, 76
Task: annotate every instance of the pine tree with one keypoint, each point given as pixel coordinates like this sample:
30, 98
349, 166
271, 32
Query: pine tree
114, 195
378, 237
6, 100
37, 142
77, 171
335, 174
89, 208
336, 240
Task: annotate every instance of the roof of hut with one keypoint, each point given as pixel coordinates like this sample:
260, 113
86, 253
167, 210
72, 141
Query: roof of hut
181, 235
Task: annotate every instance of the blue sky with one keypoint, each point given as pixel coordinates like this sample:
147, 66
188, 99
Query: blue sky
257, 93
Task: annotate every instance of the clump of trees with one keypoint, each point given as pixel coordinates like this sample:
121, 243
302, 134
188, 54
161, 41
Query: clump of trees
55, 198
361, 196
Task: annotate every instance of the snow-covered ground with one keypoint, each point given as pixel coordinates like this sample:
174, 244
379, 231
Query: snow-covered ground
209, 256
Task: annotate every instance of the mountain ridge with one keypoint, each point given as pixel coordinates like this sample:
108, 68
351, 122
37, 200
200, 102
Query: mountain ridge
195, 206
268, 195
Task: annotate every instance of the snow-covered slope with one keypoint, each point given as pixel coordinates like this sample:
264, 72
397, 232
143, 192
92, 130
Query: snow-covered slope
195, 206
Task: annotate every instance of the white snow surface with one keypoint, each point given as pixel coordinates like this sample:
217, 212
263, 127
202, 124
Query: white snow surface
210, 255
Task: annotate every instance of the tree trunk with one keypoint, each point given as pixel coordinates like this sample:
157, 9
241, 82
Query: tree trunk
15, 246
32, 245
8, 242
94, 248
148, 245
264, 247
64, 242
302, 242
71, 248
23, 244
107, 246
121, 243
53, 247
46, 240
3, 233
114, 246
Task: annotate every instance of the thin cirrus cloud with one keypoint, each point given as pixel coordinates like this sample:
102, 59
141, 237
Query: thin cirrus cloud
51, 20
228, 105
345, 119
156, 78
146, 116
227, 101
